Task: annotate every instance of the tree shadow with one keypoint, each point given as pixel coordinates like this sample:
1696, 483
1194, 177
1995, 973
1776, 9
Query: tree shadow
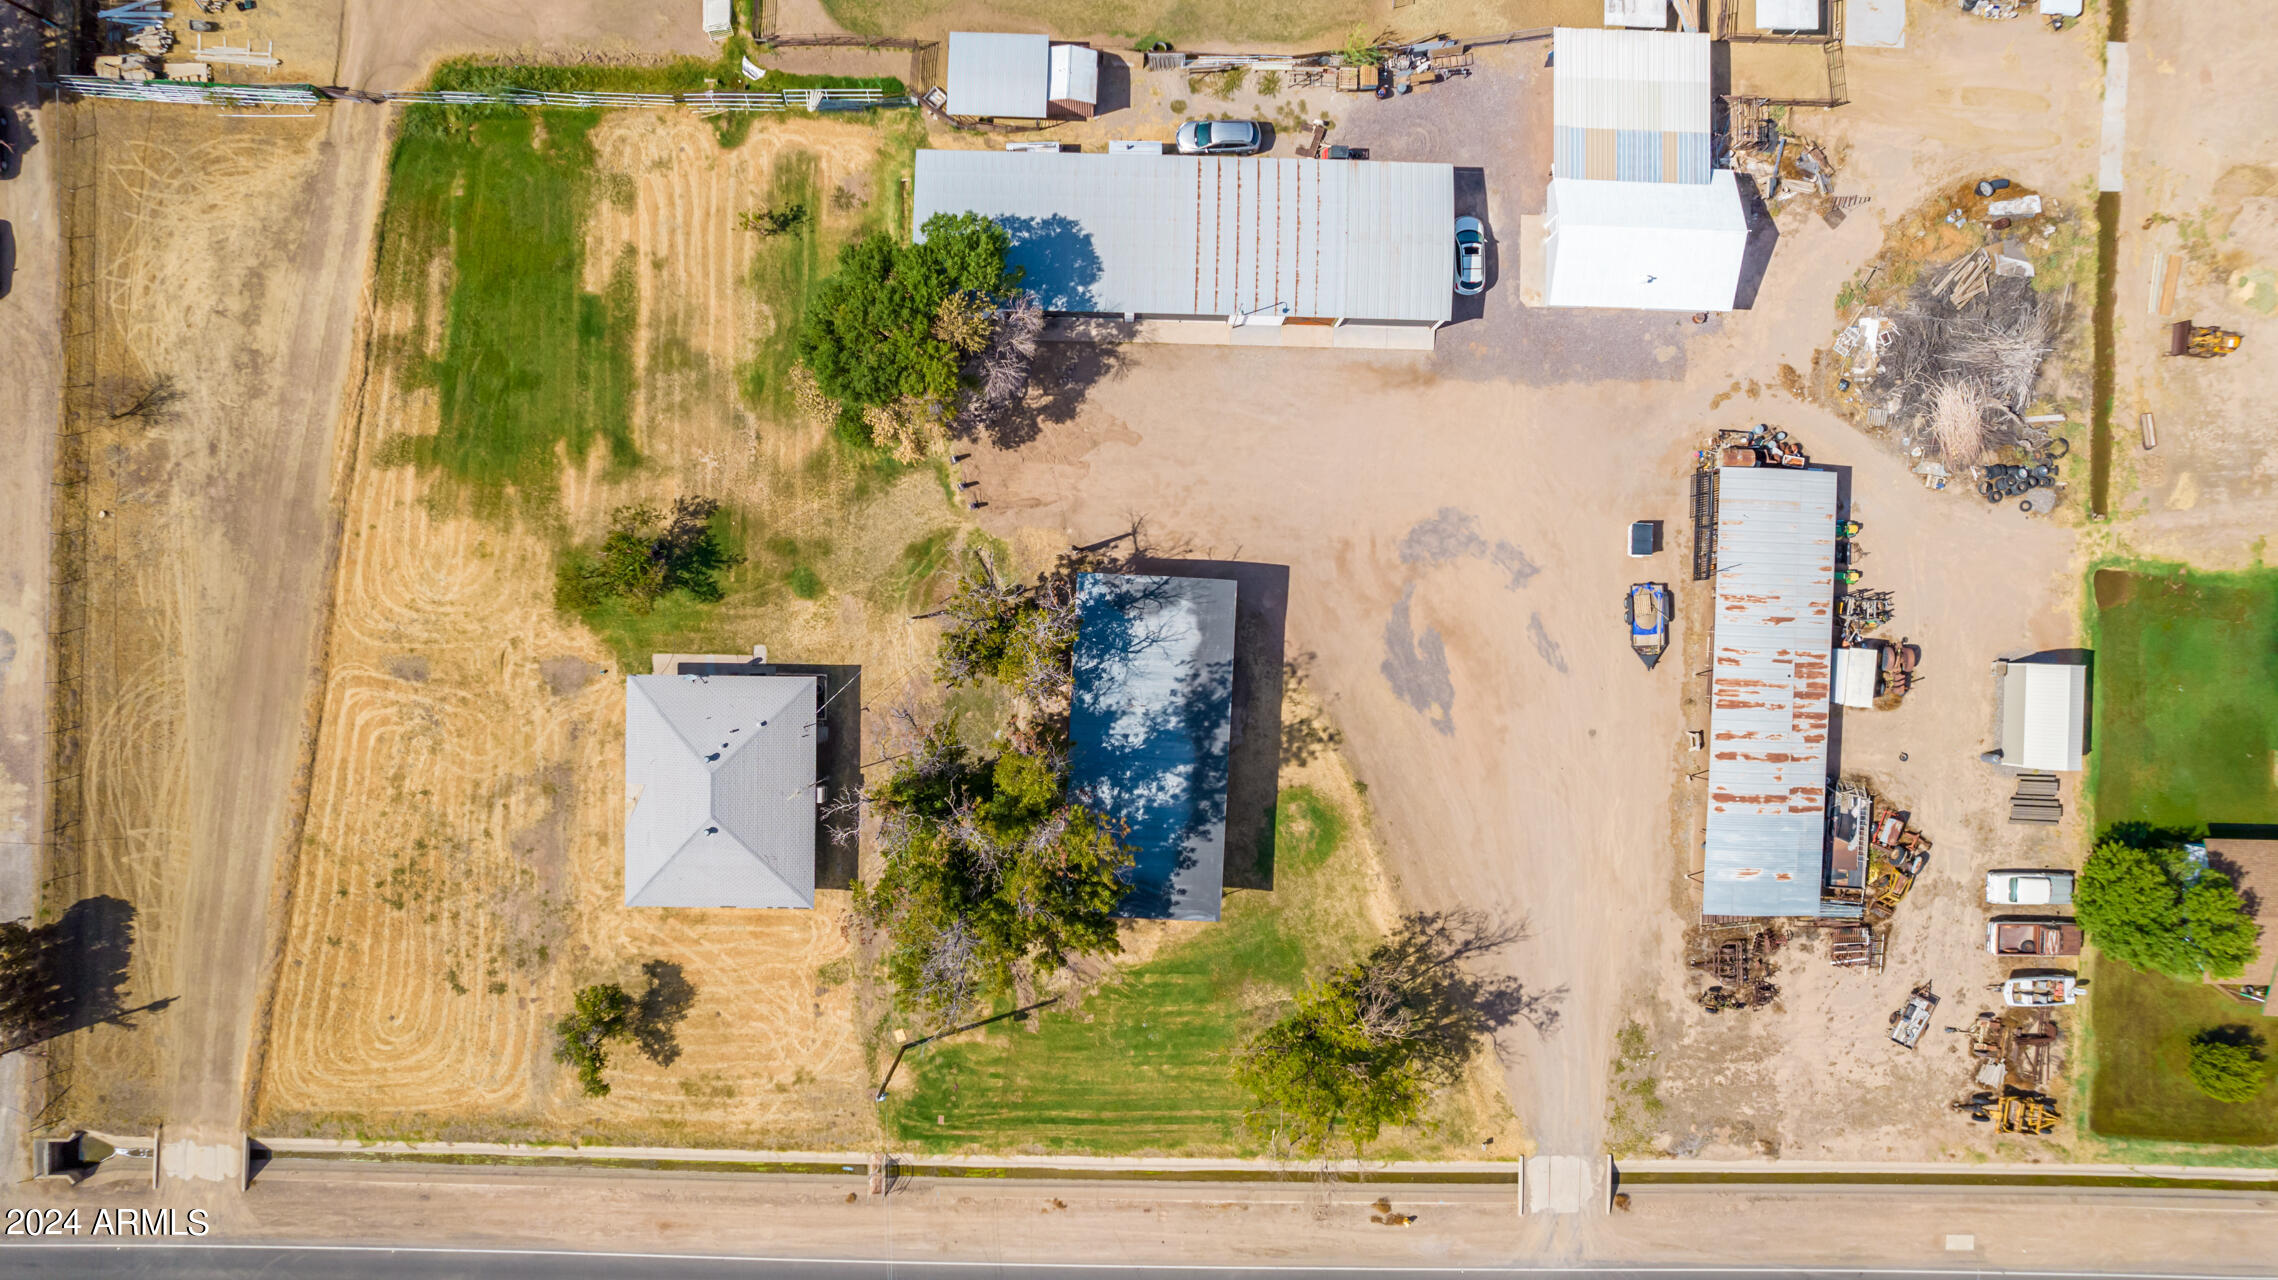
1058, 383
71, 974
1455, 1004
2146, 836
657, 1015
2236, 1035
1308, 736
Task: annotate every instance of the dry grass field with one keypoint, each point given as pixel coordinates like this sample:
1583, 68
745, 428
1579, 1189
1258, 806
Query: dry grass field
461, 873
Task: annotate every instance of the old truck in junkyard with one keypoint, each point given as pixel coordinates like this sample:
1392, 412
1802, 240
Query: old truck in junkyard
2028, 936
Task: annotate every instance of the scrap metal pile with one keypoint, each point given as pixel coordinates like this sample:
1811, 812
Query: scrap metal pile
1738, 962
2011, 1067
1896, 854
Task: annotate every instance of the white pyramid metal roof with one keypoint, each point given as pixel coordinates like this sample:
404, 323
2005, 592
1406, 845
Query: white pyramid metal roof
720, 791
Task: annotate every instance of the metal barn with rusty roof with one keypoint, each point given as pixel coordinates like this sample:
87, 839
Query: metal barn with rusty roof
1766, 838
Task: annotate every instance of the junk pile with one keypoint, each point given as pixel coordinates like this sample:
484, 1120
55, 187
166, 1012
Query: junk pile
1792, 172
1951, 363
1738, 962
1762, 445
2037, 799
2012, 1061
1859, 612
1896, 854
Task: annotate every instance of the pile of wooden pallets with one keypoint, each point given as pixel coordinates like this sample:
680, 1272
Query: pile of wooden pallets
2036, 800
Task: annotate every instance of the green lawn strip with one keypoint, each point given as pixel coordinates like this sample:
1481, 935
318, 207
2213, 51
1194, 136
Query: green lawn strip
530, 367
2186, 695
1144, 1064
2144, 1024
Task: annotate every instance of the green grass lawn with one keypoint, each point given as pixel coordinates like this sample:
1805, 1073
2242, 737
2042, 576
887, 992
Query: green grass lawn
1143, 1064
2186, 696
2186, 733
530, 368
2144, 1023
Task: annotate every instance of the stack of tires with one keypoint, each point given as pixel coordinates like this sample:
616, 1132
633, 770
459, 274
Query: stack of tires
2004, 481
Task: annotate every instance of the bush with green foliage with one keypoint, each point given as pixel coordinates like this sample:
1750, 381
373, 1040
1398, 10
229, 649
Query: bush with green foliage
872, 332
646, 556
582, 1037
990, 873
2226, 1064
2136, 902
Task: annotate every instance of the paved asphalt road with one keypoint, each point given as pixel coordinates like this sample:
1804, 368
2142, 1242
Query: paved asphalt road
229, 1262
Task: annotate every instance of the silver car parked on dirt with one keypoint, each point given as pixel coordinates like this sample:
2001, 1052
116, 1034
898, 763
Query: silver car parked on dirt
1221, 138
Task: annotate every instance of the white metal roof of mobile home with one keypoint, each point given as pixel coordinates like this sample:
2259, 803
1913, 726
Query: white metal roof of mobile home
1656, 246
1766, 836
1630, 105
720, 791
1787, 15
1212, 236
2044, 715
993, 73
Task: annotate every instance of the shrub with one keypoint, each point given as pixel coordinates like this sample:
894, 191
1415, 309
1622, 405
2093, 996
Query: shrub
2226, 1064
645, 556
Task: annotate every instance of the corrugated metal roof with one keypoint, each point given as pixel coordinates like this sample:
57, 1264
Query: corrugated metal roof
1150, 730
992, 73
1211, 236
1649, 246
1075, 74
1766, 836
1630, 106
1787, 15
720, 791
2044, 715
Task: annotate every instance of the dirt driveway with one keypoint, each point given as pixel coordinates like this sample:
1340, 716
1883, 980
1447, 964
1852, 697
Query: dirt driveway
1453, 528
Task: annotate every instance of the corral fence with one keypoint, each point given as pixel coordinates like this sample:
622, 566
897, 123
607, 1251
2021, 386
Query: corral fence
240, 95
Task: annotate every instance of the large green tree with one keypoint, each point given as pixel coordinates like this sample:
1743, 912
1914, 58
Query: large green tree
2142, 905
891, 326
647, 555
991, 872
1368, 1045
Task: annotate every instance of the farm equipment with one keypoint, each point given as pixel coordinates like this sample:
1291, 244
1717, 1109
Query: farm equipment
2027, 1112
2203, 341
1740, 966
1908, 1024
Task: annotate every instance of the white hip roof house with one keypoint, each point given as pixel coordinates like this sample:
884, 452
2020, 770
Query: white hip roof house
720, 791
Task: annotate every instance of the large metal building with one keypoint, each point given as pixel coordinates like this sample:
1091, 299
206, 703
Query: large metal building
1766, 839
1248, 241
1151, 729
1637, 216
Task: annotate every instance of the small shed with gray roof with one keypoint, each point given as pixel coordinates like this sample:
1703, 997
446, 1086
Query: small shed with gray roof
1151, 729
720, 791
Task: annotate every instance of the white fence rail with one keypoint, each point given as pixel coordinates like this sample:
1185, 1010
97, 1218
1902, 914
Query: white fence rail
220, 95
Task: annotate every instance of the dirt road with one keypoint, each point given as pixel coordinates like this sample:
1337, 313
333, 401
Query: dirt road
31, 336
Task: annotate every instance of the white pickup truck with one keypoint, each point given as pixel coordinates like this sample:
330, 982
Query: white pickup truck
2028, 888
